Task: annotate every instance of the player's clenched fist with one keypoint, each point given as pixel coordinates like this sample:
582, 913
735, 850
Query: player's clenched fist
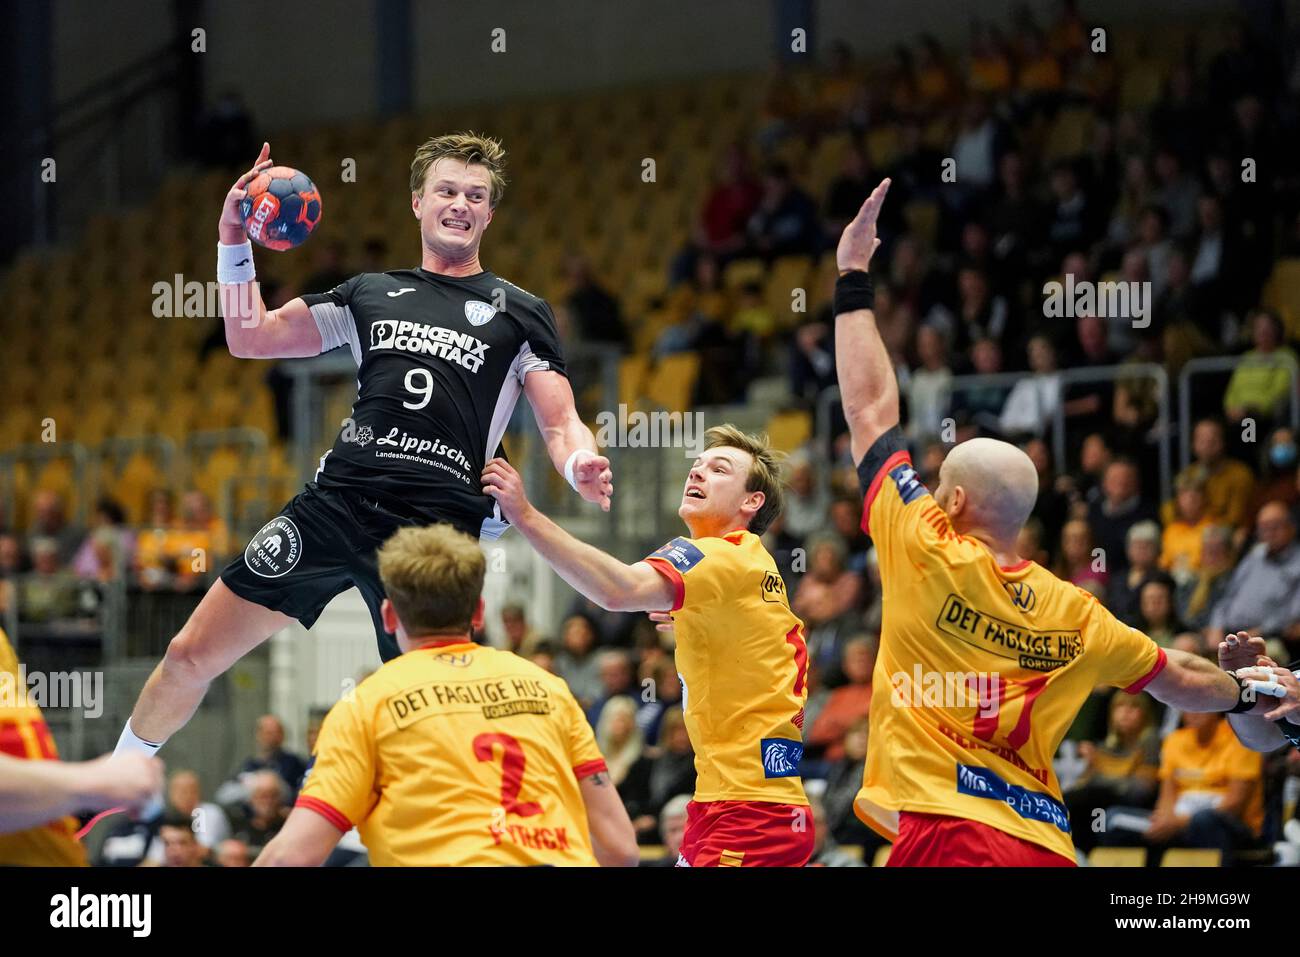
503, 483
1242, 651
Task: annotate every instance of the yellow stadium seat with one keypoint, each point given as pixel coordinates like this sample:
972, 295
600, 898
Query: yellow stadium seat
1117, 857
633, 372
1191, 857
672, 381
740, 272
1141, 85
881, 857
132, 486
789, 430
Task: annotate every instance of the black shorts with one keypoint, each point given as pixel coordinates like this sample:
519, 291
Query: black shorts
322, 543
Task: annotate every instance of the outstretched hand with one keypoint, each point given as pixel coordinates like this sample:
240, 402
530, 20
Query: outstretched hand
859, 242
503, 483
594, 479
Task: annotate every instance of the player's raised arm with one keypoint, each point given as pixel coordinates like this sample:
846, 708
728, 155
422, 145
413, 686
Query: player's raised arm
252, 330
868, 387
569, 442
610, 583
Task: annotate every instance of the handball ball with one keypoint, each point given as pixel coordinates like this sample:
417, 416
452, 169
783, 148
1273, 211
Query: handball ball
281, 209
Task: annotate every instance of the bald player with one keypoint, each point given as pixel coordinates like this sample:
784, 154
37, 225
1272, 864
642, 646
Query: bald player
985, 657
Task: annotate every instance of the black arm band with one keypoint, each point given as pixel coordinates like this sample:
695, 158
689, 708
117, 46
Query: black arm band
854, 291
1246, 697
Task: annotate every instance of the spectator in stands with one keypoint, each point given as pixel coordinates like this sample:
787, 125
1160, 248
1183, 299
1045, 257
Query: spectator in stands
667, 695
846, 523
1072, 220
1121, 770
520, 636
50, 520
846, 704
1196, 597
1095, 456
807, 501
1180, 552
843, 781
829, 590
981, 406
1119, 509
847, 191
1134, 197
1177, 193
699, 309
657, 775
1263, 595
267, 810
928, 386
672, 825
1052, 507
1155, 246
1031, 406
596, 314
270, 754
1229, 484
1030, 542
620, 740
1261, 385
826, 850
989, 68
1142, 549
1279, 482
616, 681
49, 592
154, 554
1215, 268
1017, 220
544, 654
1211, 789
1089, 406
184, 801
233, 853
577, 663
1157, 616
109, 546
1075, 561
199, 541
785, 222
180, 844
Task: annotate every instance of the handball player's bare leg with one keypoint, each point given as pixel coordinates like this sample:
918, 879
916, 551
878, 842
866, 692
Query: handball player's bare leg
221, 630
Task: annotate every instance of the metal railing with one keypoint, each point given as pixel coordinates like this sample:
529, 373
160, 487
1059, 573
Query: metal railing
1194, 367
830, 397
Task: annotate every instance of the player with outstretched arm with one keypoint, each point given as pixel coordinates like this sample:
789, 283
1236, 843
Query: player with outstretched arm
963, 775
443, 352
740, 655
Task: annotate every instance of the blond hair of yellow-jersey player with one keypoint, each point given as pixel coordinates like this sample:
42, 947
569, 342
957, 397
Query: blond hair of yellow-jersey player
454, 754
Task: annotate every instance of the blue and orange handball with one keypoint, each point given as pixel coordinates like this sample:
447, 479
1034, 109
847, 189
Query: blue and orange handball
281, 209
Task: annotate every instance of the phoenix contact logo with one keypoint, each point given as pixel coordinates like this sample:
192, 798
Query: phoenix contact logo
458, 347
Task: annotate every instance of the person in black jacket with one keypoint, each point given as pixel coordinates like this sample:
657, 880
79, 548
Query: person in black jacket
657, 776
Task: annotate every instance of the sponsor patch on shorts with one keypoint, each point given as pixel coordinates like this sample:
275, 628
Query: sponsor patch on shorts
275, 550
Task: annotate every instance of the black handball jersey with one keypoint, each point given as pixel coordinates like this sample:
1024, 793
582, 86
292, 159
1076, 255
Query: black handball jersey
441, 361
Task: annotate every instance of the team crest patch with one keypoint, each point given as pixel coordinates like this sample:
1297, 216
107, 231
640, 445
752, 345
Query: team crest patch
681, 553
275, 549
781, 757
478, 313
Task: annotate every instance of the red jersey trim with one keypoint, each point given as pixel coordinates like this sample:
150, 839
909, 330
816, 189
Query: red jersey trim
588, 768
673, 575
902, 455
1016, 567
444, 644
325, 810
1161, 660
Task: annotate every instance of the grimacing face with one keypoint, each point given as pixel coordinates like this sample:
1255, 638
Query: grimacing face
455, 207
715, 487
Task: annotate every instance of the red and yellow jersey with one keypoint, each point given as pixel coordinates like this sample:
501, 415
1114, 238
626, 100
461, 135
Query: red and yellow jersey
743, 665
458, 755
24, 734
981, 669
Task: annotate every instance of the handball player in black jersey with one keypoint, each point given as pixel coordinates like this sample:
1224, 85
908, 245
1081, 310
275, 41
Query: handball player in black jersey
443, 353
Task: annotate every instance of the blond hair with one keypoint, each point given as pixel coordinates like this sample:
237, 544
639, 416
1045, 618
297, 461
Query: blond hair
764, 473
474, 148
434, 577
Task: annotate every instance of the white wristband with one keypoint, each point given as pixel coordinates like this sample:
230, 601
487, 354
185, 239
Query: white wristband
568, 466
235, 263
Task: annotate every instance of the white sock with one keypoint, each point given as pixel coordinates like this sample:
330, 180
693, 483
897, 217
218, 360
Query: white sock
129, 742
